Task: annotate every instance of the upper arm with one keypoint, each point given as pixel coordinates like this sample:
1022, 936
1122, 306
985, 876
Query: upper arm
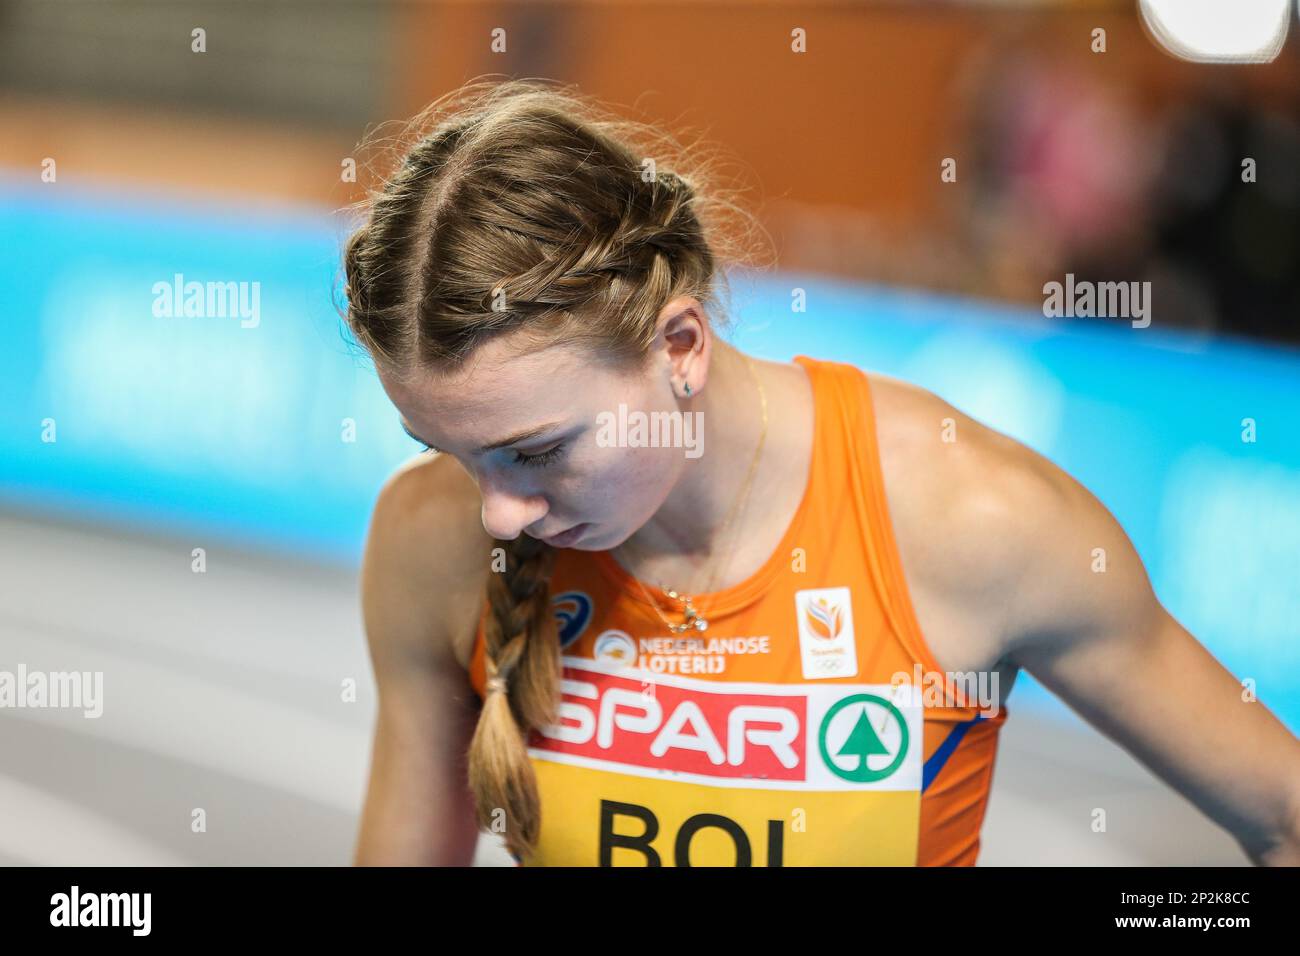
419, 586
1086, 623
1025, 558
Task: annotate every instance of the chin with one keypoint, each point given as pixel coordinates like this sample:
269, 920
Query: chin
590, 542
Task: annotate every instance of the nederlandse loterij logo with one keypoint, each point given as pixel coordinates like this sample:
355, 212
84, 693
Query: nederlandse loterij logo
824, 618
614, 647
863, 738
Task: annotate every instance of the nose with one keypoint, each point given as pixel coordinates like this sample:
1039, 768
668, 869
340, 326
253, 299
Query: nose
506, 513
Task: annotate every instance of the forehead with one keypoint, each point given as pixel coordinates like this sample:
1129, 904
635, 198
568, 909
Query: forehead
499, 389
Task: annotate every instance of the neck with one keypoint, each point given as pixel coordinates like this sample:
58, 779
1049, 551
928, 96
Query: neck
692, 521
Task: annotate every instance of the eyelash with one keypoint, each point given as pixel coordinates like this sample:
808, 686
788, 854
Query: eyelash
539, 461
531, 461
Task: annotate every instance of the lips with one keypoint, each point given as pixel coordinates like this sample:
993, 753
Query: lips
565, 538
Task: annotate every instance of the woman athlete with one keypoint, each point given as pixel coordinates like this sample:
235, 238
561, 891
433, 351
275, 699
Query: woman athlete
784, 634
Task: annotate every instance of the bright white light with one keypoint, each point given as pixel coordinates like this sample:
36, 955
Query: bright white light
1219, 31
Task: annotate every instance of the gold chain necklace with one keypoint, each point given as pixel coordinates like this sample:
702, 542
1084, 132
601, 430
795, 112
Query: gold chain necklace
692, 619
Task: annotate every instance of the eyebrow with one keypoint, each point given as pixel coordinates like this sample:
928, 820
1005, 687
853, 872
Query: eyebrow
491, 446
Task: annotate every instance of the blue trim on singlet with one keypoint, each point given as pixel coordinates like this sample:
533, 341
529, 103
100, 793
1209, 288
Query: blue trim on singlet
940, 756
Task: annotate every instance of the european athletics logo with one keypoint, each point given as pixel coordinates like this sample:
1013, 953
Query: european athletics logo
572, 611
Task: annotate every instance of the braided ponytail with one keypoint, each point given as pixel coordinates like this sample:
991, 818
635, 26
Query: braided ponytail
522, 652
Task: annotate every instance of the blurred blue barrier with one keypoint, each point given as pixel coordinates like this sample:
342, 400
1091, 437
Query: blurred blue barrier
236, 427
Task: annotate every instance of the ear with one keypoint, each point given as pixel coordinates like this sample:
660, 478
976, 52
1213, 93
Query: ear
686, 343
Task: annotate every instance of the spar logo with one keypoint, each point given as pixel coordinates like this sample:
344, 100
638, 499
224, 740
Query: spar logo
863, 738
736, 734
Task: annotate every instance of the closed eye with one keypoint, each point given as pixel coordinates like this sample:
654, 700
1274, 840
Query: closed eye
530, 461
540, 461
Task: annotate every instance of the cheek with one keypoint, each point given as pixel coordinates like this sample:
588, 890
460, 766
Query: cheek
644, 477
628, 479
651, 466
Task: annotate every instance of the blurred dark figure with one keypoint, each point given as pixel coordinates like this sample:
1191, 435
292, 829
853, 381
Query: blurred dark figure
1238, 240
1071, 176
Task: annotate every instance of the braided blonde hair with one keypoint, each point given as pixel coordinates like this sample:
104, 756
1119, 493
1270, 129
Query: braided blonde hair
527, 194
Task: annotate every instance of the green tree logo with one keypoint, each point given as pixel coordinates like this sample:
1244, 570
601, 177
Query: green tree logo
863, 741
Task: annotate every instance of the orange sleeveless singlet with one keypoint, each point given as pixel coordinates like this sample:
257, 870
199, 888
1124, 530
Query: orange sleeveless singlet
783, 735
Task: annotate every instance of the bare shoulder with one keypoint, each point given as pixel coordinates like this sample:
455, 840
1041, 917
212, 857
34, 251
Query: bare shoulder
979, 517
948, 468
426, 562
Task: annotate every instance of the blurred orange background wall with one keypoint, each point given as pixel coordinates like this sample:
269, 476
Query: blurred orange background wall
841, 143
